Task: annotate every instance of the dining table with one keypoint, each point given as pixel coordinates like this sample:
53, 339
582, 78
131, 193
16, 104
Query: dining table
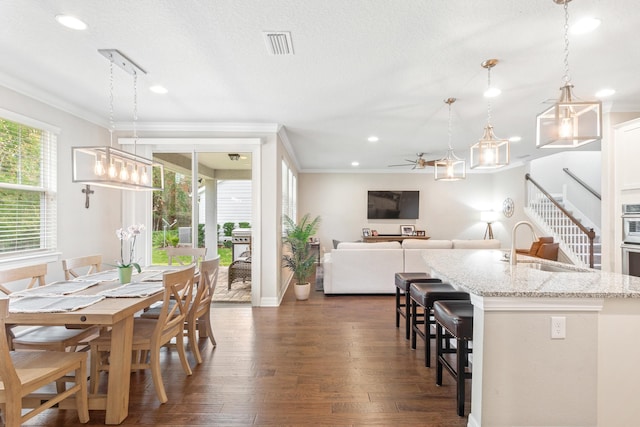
114, 310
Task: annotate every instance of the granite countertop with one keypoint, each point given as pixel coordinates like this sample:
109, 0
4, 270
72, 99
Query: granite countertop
487, 273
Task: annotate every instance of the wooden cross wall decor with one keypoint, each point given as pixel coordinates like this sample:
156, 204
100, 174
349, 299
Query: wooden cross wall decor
87, 192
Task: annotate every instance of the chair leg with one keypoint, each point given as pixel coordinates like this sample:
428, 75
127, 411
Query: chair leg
12, 411
82, 402
427, 337
94, 376
440, 336
157, 377
407, 308
397, 307
207, 322
460, 377
414, 324
193, 339
182, 354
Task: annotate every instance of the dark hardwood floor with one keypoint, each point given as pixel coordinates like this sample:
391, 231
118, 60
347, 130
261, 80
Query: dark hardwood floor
329, 361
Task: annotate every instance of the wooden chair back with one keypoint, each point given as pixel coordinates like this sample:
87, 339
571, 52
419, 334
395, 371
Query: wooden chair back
206, 287
178, 288
199, 316
196, 255
34, 272
24, 372
94, 262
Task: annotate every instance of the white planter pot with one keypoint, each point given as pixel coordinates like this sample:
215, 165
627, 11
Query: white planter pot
302, 291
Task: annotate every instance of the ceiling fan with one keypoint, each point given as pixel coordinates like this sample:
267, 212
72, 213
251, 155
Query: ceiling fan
418, 163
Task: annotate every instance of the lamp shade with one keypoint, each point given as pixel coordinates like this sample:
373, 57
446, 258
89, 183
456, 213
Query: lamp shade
488, 216
450, 168
490, 152
569, 123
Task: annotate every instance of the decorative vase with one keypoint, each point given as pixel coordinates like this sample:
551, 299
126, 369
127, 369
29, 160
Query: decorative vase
302, 291
124, 274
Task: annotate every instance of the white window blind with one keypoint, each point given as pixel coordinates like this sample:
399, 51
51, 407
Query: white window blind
27, 186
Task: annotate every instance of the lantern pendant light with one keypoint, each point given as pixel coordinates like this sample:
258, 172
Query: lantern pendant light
450, 167
569, 123
489, 152
107, 166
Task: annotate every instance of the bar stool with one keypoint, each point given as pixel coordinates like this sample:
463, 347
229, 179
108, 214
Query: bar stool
454, 319
403, 282
424, 295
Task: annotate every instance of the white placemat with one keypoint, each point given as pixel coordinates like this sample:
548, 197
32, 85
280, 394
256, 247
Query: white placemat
57, 288
103, 276
134, 289
52, 304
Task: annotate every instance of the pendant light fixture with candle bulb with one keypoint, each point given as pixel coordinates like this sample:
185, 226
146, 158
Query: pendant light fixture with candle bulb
489, 152
450, 167
110, 167
569, 123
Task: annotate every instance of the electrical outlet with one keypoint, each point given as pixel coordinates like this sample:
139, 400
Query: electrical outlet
558, 327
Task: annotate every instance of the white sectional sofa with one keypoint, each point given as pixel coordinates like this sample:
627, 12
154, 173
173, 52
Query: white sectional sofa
370, 268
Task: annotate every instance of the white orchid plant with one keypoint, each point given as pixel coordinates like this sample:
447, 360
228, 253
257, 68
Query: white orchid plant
125, 235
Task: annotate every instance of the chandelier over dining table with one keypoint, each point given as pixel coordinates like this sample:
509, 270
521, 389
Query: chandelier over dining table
107, 166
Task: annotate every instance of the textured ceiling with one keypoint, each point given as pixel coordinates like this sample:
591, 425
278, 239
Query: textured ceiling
361, 67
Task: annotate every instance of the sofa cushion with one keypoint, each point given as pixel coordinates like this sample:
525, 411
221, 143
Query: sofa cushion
476, 244
426, 244
376, 245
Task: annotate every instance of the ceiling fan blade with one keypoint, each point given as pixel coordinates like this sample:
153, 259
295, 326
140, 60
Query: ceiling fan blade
404, 164
431, 163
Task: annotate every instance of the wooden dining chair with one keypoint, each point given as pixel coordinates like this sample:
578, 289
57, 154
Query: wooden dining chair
55, 338
149, 335
24, 372
196, 255
94, 262
199, 315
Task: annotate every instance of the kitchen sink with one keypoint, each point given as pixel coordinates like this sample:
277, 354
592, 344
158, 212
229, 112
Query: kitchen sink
551, 267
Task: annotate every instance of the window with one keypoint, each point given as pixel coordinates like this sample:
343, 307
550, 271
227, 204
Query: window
27, 186
289, 194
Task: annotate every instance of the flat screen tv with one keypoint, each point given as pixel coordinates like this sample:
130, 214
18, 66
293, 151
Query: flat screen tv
393, 204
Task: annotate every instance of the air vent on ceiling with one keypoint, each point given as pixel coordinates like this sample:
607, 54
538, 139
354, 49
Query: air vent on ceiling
278, 42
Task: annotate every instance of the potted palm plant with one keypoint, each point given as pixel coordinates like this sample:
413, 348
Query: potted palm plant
298, 256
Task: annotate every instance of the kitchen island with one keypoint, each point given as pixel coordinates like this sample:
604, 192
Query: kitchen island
524, 377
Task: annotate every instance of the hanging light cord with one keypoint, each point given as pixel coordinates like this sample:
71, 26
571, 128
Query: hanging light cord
135, 110
449, 126
488, 98
567, 78
111, 124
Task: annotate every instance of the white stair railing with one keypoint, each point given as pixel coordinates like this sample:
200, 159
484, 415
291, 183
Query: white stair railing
576, 241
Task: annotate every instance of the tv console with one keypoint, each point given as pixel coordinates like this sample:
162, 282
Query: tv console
390, 238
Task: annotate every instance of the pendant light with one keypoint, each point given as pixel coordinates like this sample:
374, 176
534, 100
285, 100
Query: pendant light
106, 166
569, 123
489, 152
451, 167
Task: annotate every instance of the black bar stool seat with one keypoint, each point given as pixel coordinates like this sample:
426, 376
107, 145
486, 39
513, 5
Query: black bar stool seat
425, 295
403, 282
454, 319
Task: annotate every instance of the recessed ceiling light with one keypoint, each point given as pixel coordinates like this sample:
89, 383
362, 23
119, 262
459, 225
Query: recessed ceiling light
603, 93
355, 163
492, 92
515, 139
158, 89
585, 25
373, 139
71, 22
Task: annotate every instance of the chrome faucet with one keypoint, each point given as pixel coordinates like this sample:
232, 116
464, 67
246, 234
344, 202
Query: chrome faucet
512, 256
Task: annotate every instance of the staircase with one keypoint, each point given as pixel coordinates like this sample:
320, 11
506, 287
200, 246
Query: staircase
574, 242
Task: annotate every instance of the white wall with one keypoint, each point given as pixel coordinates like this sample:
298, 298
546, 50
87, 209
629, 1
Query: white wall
80, 231
448, 210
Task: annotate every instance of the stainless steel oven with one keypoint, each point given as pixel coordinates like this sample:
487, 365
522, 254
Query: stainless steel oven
631, 259
631, 224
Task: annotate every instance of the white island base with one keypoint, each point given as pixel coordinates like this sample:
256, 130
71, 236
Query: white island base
523, 377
